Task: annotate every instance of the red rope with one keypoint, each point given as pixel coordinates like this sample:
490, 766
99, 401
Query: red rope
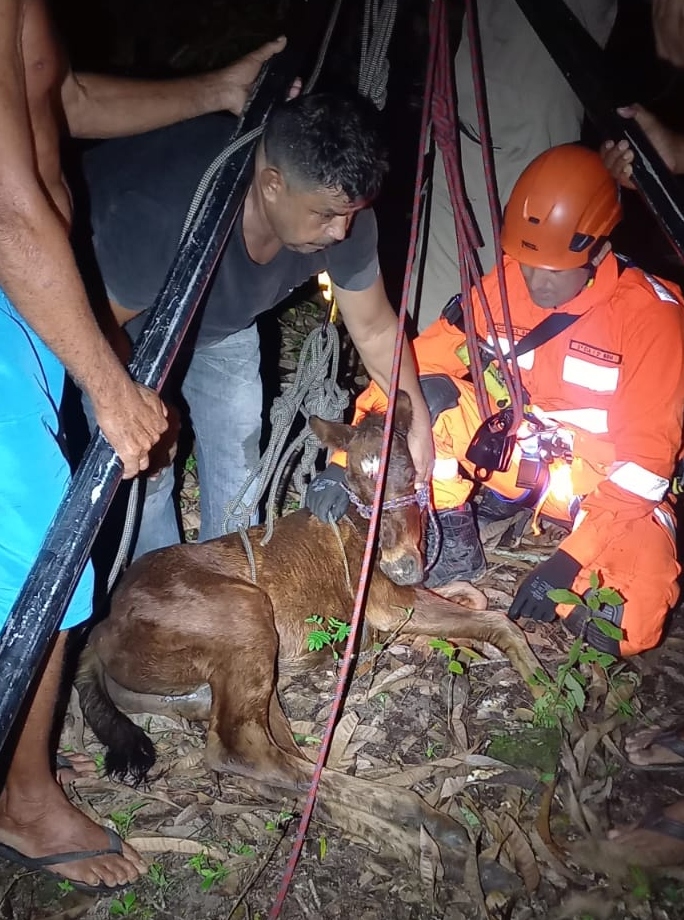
362, 590
513, 381
446, 133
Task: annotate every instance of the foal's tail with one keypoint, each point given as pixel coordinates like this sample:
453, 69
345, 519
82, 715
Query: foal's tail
129, 750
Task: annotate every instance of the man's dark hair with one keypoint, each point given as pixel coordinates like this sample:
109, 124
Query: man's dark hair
328, 141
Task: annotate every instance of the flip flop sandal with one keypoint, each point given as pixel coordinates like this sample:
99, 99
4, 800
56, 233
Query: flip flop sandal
661, 824
669, 738
62, 762
44, 862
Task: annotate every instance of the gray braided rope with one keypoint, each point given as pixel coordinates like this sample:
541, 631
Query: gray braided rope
378, 25
314, 391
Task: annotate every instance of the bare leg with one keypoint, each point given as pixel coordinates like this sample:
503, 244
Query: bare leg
36, 818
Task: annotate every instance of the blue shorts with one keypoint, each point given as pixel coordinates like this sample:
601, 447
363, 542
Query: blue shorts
34, 472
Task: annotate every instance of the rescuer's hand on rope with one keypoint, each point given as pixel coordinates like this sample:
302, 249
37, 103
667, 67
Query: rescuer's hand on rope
618, 158
532, 600
326, 496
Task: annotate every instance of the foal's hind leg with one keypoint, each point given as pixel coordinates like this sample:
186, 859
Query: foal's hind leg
249, 734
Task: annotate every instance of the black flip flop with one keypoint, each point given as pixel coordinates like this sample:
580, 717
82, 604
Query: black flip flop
44, 862
668, 738
62, 762
661, 824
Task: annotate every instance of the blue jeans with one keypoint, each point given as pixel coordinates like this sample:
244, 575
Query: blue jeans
223, 390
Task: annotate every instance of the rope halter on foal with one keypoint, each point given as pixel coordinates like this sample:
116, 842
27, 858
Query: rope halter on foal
420, 497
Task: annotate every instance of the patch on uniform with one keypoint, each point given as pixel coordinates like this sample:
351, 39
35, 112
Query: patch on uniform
610, 356
519, 332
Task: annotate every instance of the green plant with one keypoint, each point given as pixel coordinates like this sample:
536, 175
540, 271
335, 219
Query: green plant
431, 749
322, 847
565, 694
208, 870
639, 883
158, 877
123, 906
242, 849
305, 739
280, 824
65, 886
327, 634
448, 650
99, 761
123, 819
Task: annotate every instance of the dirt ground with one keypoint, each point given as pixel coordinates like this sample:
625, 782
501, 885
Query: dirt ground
534, 798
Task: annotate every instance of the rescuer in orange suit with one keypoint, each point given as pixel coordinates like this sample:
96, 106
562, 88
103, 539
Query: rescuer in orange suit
604, 408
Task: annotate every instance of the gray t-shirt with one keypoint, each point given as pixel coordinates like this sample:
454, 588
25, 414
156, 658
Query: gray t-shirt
140, 190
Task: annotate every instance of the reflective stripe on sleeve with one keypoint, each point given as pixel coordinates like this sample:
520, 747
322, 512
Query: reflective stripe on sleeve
594, 421
639, 481
589, 375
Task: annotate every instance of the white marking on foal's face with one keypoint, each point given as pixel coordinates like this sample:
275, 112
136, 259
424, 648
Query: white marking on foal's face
370, 466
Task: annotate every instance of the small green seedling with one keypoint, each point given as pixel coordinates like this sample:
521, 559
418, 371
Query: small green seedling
327, 634
322, 848
448, 650
639, 883
431, 749
242, 849
158, 877
124, 819
123, 906
210, 871
280, 823
565, 694
99, 761
305, 739
65, 887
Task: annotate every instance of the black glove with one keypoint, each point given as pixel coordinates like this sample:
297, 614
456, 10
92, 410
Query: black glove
325, 496
532, 599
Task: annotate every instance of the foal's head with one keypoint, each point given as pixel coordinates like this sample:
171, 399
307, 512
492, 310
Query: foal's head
401, 531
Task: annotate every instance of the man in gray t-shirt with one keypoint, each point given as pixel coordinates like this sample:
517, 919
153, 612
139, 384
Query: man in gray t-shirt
317, 169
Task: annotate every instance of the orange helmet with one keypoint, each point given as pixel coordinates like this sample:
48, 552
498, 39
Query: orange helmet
561, 209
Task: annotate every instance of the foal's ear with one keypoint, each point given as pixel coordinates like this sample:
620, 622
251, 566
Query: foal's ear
403, 413
336, 435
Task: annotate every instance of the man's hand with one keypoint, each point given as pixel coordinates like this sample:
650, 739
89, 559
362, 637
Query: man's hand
668, 28
235, 81
618, 158
132, 419
326, 496
532, 599
422, 448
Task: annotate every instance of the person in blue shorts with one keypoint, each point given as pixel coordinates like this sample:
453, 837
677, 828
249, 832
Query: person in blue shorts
47, 325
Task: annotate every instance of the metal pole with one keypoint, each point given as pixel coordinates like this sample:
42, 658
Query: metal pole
583, 64
40, 605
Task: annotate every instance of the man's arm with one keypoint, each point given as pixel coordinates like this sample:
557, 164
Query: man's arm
372, 324
102, 106
38, 272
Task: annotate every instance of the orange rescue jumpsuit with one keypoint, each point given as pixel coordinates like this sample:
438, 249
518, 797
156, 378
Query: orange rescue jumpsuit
613, 382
